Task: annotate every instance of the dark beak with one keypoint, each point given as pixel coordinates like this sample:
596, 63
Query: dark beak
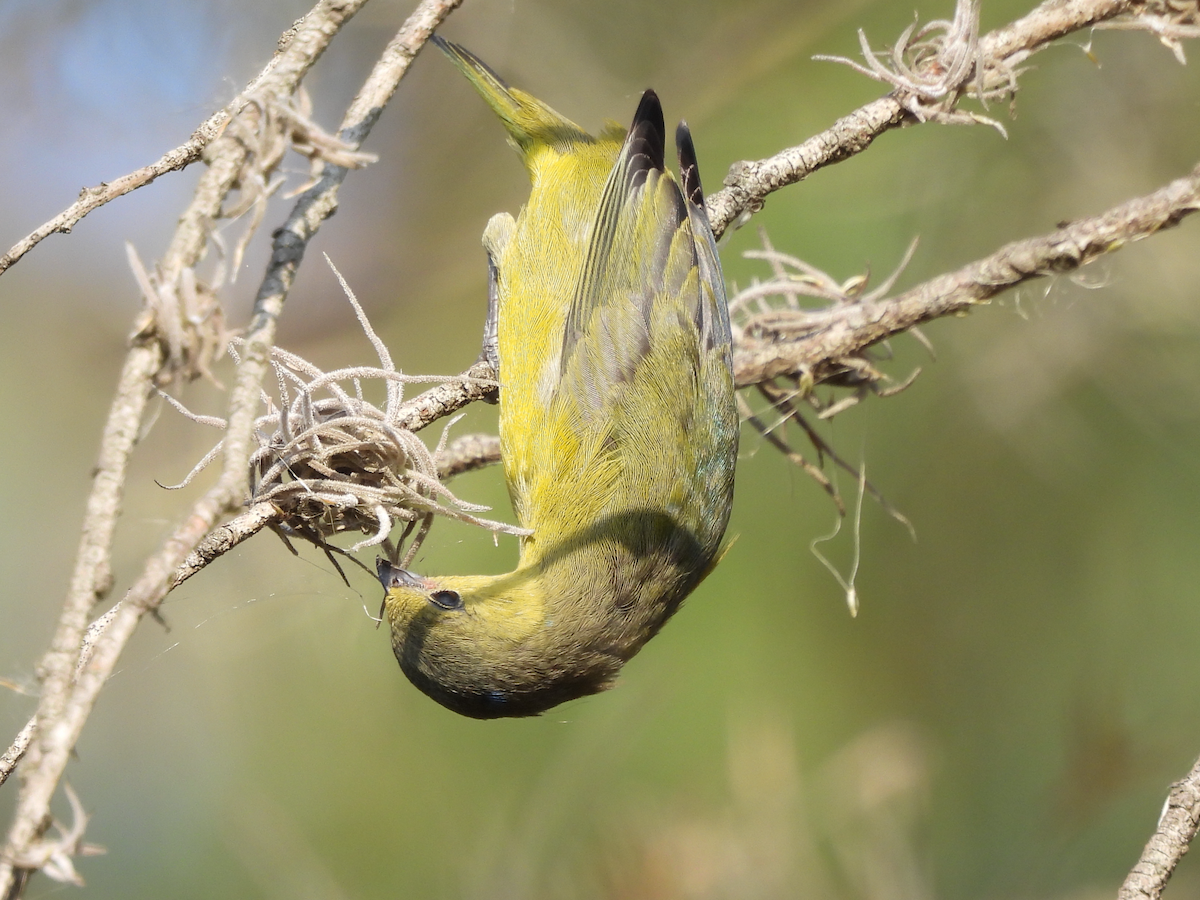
393, 576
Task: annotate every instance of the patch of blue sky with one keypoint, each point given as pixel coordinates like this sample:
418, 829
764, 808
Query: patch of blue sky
166, 58
99, 88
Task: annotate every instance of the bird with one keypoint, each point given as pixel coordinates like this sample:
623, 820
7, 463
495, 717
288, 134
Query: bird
609, 330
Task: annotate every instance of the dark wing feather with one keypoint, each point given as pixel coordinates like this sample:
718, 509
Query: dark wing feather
713, 310
636, 254
642, 153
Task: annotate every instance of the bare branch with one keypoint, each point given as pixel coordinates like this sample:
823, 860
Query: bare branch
67, 696
1171, 21
13, 754
92, 198
807, 346
467, 453
224, 538
477, 383
1176, 827
814, 344
1001, 51
328, 14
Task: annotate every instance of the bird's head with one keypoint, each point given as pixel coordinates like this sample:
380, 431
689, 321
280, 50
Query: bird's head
480, 645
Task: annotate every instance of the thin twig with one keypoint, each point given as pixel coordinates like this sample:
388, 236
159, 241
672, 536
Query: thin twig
476, 383
67, 695
92, 198
1176, 828
467, 453
810, 345
12, 756
61, 723
224, 538
749, 183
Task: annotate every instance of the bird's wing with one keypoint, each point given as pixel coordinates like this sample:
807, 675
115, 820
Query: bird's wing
650, 265
715, 331
640, 422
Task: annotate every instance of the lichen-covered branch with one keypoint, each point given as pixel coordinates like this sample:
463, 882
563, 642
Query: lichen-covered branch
463, 454
813, 344
181, 327
69, 693
998, 54
58, 726
225, 537
467, 453
1176, 828
477, 383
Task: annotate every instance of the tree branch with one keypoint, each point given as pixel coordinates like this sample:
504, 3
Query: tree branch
749, 183
1176, 827
69, 693
811, 344
143, 365
92, 198
468, 452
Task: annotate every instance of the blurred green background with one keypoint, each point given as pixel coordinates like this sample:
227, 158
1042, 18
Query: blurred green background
1002, 719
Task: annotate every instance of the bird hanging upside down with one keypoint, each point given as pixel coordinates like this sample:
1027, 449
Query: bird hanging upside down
609, 329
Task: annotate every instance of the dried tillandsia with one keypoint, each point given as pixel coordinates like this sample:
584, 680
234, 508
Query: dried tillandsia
331, 461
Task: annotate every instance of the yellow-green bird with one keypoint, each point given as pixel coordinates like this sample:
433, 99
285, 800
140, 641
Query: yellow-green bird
610, 332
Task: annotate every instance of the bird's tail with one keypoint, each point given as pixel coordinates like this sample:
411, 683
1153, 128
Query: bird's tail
530, 122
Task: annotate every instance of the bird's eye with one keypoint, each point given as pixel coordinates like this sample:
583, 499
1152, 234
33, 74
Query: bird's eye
446, 599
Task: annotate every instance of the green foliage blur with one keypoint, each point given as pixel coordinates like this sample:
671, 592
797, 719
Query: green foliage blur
1001, 720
